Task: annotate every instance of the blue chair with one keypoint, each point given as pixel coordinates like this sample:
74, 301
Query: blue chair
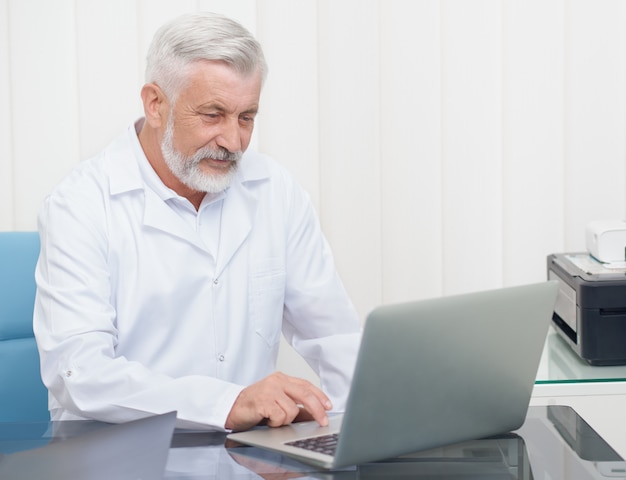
23, 397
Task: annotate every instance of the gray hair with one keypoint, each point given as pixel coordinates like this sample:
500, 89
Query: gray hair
200, 36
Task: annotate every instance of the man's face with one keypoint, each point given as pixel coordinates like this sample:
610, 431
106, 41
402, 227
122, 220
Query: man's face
210, 126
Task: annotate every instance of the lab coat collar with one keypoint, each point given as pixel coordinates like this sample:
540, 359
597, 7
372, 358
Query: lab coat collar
239, 207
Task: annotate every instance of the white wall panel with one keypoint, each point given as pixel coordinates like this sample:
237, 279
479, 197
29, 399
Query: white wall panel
349, 143
472, 145
44, 100
7, 219
109, 80
532, 140
410, 154
594, 115
288, 120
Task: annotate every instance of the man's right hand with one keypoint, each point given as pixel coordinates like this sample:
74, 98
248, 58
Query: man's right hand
278, 400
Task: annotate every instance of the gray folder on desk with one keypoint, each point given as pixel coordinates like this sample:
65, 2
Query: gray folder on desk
132, 450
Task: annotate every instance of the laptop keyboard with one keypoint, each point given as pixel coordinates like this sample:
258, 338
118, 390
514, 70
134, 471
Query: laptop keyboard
326, 444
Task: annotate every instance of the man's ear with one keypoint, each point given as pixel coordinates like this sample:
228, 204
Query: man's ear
154, 104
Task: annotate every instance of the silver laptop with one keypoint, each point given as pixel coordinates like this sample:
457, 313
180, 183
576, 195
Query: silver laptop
430, 373
132, 450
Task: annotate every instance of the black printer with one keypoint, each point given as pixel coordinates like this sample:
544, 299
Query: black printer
590, 312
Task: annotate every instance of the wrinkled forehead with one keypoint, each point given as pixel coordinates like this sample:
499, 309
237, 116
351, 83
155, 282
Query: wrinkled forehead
217, 83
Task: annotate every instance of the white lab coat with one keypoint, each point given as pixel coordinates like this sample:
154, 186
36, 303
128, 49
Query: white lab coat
139, 311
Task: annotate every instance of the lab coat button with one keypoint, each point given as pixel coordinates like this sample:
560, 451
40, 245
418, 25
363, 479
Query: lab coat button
216, 281
221, 358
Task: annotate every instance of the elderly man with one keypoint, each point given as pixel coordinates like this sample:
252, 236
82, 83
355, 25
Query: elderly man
171, 262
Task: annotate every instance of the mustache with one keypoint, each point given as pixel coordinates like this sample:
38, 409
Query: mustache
217, 154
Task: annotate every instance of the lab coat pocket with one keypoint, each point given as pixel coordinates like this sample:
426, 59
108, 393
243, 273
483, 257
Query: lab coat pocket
267, 298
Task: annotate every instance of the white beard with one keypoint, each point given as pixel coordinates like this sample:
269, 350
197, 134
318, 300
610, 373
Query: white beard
187, 169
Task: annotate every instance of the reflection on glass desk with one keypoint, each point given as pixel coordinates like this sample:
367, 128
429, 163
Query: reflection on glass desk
554, 443
560, 364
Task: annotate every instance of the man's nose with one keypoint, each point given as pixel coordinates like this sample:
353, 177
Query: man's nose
230, 135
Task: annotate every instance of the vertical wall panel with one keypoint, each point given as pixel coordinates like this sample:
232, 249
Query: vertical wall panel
594, 115
349, 143
288, 120
472, 150
410, 154
108, 77
44, 100
6, 132
532, 137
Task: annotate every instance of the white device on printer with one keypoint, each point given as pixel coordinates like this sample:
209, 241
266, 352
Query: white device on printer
606, 241
590, 313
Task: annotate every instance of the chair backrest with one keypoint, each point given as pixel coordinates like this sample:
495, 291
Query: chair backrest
23, 396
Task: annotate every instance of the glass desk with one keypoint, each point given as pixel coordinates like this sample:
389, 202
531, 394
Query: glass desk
560, 364
563, 373
554, 443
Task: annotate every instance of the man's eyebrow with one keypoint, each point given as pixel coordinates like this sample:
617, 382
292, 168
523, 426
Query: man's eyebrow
254, 109
211, 106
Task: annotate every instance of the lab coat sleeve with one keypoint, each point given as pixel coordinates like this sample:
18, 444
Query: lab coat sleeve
321, 322
74, 323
